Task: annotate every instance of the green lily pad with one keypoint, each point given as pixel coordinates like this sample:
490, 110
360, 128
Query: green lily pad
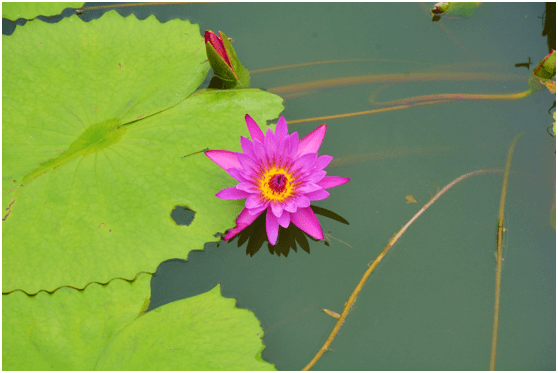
462, 9
205, 332
15, 10
92, 144
104, 327
68, 329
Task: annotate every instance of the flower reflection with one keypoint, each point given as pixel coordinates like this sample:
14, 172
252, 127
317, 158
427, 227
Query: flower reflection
289, 239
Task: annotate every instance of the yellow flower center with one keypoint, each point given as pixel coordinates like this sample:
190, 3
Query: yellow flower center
276, 184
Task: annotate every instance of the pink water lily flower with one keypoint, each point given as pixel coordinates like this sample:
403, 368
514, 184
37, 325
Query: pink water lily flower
278, 174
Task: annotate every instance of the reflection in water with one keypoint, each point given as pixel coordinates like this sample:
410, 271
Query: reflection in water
288, 238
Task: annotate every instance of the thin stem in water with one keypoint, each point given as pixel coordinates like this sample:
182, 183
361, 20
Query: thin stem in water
352, 298
499, 252
391, 78
366, 112
304, 64
411, 102
453, 97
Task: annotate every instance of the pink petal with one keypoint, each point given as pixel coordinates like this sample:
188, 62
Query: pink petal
302, 201
247, 175
237, 174
247, 187
305, 162
306, 220
208, 35
293, 145
308, 188
317, 195
290, 206
224, 158
258, 210
259, 150
312, 142
271, 227
217, 43
246, 162
270, 144
225, 55
333, 181
276, 208
323, 161
242, 221
253, 201
316, 176
284, 220
283, 154
255, 131
232, 193
281, 130
247, 147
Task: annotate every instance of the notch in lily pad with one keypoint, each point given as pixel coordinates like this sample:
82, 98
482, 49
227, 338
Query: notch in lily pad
182, 215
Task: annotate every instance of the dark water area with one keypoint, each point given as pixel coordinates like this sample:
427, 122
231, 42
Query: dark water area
429, 305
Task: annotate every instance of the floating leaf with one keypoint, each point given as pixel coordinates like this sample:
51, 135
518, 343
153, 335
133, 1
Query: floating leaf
104, 327
453, 10
68, 329
205, 332
93, 169
410, 199
546, 69
15, 10
550, 84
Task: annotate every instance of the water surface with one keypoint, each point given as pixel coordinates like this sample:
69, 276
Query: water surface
429, 304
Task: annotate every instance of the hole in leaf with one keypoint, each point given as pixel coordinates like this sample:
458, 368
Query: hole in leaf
182, 215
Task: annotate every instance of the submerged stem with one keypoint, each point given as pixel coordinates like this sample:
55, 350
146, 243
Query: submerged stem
304, 64
390, 78
454, 97
375, 111
411, 102
371, 268
499, 251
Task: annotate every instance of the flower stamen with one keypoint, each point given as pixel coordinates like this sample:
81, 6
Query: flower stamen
276, 184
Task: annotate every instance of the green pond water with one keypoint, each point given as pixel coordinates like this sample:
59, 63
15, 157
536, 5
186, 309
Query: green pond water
429, 305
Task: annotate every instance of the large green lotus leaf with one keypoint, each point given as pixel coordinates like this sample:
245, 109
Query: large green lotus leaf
104, 327
107, 214
205, 332
90, 179
15, 10
58, 80
68, 329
